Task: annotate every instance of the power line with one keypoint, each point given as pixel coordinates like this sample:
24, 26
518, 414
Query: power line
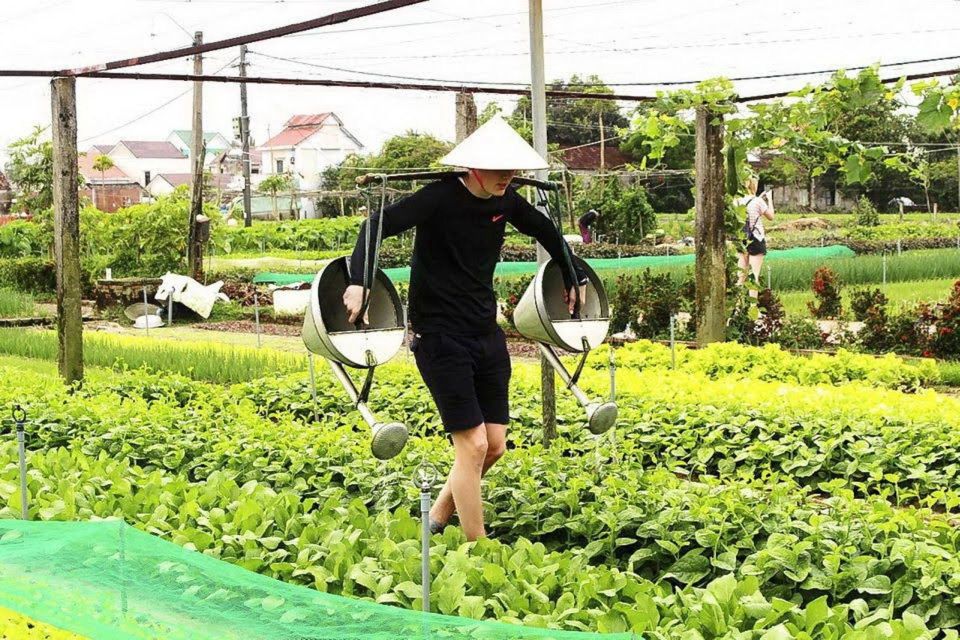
277, 32
769, 76
151, 111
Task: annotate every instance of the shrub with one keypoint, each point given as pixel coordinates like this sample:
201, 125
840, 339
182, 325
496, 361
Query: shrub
863, 300
946, 340
511, 291
645, 302
303, 235
624, 211
799, 333
826, 290
20, 238
29, 275
865, 214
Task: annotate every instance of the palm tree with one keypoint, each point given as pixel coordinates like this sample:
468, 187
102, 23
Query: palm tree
101, 164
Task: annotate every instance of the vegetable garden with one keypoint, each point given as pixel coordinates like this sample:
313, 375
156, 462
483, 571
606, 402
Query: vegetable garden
746, 493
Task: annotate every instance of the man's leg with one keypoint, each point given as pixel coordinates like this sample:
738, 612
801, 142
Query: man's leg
470, 450
445, 505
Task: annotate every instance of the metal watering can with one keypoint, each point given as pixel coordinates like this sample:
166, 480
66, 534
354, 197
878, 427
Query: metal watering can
543, 316
328, 332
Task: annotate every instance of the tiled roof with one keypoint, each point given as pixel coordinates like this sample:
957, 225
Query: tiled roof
102, 149
151, 149
297, 129
186, 135
314, 120
588, 157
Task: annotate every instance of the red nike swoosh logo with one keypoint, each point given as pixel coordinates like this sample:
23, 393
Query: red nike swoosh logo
495, 218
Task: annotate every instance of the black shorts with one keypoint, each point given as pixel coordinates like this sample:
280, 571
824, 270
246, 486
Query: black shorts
756, 247
468, 377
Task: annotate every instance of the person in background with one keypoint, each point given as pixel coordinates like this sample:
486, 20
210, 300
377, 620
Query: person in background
585, 221
754, 244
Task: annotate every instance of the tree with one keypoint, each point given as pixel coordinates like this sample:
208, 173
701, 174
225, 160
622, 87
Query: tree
273, 185
101, 164
30, 169
407, 152
624, 211
573, 121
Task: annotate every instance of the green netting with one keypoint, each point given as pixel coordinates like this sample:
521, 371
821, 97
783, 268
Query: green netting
107, 580
508, 269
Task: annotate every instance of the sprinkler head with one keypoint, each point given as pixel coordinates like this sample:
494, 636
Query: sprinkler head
389, 438
601, 417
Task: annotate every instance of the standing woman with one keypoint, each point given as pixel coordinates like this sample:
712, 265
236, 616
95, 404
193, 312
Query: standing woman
754, 246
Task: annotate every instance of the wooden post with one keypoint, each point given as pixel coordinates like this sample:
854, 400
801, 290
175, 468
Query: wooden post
711, 279
194, 253
66, 230
466, 115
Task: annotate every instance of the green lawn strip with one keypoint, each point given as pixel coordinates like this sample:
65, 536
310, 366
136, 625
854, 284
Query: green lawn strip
206, 356
15, 304
899, 293
612, 504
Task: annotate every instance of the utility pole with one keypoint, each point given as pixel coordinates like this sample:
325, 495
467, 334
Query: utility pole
538, 104
66, 229
194, 257
466, 115
603, 163
245, 140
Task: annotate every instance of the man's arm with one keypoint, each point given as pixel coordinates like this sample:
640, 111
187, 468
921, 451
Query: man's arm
397, 218
526, 219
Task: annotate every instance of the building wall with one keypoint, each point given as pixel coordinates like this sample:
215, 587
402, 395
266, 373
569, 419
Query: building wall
135, 167
327, 147
111, 197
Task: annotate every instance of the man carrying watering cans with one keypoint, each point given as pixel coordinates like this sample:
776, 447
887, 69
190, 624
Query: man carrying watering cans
460, 350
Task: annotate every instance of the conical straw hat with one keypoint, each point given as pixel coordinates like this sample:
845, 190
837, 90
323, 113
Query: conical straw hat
495, 145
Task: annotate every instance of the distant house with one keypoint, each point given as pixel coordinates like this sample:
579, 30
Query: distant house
586, 159
108, 190
164, 184
141, 160
214, 143
308, 145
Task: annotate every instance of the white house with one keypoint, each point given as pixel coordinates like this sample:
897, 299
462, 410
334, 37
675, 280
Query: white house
214, 143
308, 144
141, 160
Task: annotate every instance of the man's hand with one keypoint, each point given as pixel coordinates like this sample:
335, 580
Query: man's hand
353, 300
571, 300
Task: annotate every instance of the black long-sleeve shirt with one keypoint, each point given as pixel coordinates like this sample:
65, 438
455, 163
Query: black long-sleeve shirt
456, 250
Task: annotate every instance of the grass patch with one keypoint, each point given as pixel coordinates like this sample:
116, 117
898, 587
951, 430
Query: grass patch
14, 304
208, 361
949, 372
899, 293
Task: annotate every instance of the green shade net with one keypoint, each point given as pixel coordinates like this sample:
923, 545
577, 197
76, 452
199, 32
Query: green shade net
107, 580
512, 269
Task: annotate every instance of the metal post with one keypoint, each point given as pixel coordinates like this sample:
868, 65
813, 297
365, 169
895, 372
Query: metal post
673, 341
256, 315
313, 387
769, 279
245, 140
899, 246
538, 108
146, 315
170, 309
20, 417
613, 374
425, 540
884, 269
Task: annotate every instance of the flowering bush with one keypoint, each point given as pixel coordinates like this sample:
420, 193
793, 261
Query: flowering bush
826, 290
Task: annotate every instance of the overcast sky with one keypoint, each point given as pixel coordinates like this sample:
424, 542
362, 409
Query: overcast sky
624, 41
